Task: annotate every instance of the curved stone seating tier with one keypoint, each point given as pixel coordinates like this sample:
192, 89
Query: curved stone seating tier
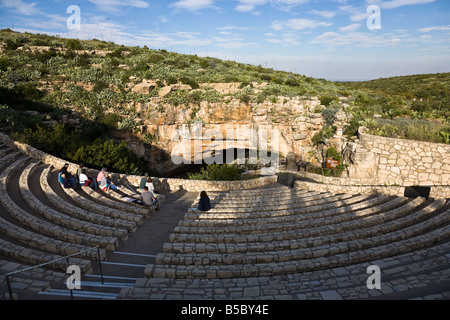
46, 235
66, 232
119, 197
407, 271
77, 212
336, 201
221, 201
243, 192
5, 151
289, 231
287, 216
336, 217
9, 158
90, 205
228, 205
108, 202
303, 238
311, 247
318, 260
109, 235
36, 257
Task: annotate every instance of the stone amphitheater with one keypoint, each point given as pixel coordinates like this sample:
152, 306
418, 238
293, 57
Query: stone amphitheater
262, 241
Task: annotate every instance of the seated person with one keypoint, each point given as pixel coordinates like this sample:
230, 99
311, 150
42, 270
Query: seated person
143, 182
68, 180
148, 198
204, 204
151, 187
100, 175
64, 174
106, 183
85, 180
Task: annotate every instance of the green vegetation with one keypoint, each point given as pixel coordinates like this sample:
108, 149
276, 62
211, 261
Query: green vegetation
217, 172
412, 107
64, 141
89, 81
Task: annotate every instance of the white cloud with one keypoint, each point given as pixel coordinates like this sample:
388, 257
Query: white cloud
356, 14
299, 24
112, 4
193, 5
325, 14
21, 7
250, 5
397, 3
165, 40
438, 28
356, 39
47, 22
291, 39
230, 41
350, 28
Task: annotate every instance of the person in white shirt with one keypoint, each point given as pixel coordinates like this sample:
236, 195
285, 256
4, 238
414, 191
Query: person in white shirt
85, 180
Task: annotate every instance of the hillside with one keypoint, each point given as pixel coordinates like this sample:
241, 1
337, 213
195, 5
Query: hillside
70, 97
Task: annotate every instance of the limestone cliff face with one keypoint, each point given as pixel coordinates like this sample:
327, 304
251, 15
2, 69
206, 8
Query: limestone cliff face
296, 119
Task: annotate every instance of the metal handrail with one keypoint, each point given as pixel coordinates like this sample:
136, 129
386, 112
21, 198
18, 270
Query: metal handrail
50, 262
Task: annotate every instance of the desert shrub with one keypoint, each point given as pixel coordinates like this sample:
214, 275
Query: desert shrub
74, 44
322, 135
190, 81
245, 99
58, 140
108, 153
217, 172
328, 113
334, 154
9, 116
327, 99
413, 129
155, 58
100, 85
110, 120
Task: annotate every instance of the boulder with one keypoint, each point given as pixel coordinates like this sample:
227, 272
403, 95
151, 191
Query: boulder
144, 87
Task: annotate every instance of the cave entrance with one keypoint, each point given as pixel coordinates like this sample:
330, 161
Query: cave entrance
230, 155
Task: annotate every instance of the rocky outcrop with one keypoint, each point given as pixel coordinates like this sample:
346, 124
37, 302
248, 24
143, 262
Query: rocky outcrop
296, 119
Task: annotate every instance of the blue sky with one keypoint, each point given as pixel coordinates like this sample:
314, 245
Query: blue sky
326, 39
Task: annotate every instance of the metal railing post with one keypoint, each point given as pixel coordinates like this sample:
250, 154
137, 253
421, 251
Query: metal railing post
48, 263
9, 288
100, 264
71, 290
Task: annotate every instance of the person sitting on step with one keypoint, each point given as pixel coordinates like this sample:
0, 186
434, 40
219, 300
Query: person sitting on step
85, 180
106, 183
204, 204
149, 199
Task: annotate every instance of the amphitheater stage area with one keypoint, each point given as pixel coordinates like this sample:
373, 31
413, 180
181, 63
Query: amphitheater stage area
265, 243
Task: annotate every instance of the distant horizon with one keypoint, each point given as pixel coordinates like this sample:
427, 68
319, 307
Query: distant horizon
348, 40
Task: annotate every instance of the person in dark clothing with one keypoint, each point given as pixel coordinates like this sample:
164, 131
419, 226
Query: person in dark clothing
65, 177
204, 204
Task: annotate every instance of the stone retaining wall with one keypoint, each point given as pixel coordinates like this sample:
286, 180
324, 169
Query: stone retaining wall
200, 185
407, 162
357, 186
350, 189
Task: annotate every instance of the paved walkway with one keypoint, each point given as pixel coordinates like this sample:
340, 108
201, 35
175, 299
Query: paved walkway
150, 237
